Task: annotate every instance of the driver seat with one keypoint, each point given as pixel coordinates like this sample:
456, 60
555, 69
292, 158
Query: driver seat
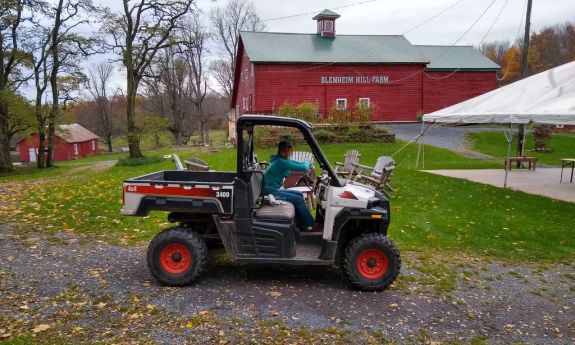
284, 211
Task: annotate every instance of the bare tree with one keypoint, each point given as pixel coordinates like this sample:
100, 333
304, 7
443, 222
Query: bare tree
37, 47
138, 34
100, 78
167, 91
228, 21
66, 47
195, 37
222, 71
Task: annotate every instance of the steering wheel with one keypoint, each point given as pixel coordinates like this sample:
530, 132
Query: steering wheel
306, 179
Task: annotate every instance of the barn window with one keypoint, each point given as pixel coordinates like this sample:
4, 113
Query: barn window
93, 145
75, 149
341, 103
252, 70
364, 103
328, 25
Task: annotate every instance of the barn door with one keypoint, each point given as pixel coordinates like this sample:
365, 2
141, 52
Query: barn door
32, 154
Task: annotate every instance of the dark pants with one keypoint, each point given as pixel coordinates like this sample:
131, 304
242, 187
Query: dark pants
295, 197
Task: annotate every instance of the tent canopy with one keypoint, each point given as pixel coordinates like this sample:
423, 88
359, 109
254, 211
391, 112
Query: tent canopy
547, 97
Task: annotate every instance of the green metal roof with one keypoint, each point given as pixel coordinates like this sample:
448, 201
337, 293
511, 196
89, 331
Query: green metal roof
326, 14
267, 47
456, 57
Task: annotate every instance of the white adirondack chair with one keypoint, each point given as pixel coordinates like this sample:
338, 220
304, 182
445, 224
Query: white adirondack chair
302, 156
292, 181
347, 168
177, 161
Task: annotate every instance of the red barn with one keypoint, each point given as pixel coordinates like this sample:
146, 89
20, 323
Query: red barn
398, 79
72, 141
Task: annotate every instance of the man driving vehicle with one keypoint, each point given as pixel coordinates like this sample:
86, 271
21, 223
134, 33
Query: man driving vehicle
280, 167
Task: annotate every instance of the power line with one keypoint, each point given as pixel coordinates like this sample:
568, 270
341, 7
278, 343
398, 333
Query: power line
316, 12
433, 17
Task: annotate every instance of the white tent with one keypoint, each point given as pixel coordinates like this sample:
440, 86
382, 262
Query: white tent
547, 97
544, 98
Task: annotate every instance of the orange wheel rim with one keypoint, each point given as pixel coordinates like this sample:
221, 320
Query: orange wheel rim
372, 264
175, 258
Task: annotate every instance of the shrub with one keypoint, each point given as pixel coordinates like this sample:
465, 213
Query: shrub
363, 113
139, 161
287, 110
358, 134
338, 116
542, 135
307, 111
324, 136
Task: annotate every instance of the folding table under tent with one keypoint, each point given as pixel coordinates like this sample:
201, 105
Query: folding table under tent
544, 98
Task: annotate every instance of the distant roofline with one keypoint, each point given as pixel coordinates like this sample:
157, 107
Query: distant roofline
315, 34
270, 62
466, 69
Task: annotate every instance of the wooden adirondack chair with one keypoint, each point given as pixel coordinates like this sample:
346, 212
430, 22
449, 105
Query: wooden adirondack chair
196, 164
380, 181
347, 168
378, 176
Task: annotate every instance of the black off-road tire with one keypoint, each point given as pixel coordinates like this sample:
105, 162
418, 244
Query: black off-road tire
371, 249
172, 244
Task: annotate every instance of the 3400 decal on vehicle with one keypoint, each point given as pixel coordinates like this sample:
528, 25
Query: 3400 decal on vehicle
222, 194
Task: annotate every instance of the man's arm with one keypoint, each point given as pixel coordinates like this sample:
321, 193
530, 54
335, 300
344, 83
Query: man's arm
297, 166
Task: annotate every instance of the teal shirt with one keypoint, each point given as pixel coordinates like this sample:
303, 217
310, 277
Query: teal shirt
279, 169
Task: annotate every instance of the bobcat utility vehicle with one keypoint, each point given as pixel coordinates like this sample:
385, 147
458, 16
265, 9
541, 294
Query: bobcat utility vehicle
214, 208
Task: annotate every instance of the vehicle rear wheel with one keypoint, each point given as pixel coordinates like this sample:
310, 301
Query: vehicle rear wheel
371, 262
177, 256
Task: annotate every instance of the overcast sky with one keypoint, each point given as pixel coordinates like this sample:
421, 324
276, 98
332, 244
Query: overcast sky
385, 17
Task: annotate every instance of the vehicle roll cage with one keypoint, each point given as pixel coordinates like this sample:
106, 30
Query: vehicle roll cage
247, 122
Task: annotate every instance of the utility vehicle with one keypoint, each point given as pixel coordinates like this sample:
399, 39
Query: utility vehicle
228, 209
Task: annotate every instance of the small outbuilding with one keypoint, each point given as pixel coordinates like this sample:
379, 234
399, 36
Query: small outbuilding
72, 142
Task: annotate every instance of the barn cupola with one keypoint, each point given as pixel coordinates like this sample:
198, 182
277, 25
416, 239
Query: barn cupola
326, 23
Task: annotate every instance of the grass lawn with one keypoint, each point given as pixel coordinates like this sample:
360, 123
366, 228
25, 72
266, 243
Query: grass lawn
429, 212
495, 144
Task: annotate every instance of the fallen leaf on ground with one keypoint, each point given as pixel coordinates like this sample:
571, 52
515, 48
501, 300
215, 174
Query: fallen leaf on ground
275, 294
41, 328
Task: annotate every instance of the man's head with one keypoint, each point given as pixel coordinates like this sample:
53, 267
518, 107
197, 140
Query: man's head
285, 149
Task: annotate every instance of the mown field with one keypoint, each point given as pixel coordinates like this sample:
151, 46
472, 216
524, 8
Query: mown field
561, 145
430, 213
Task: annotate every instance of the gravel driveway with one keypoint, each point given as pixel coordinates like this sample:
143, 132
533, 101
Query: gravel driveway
451, 138
70, 286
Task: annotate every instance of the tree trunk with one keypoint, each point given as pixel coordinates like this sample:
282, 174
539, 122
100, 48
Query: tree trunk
5, 161
41, 156
51, 141
133, 137
109, 143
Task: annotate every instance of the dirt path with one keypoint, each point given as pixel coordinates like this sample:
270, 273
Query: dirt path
95, 167
93, 291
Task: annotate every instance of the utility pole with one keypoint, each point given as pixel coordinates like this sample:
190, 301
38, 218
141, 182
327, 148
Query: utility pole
524, 74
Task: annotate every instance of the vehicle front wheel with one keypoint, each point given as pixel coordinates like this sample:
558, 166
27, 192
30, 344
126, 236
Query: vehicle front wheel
177, 256
371, 262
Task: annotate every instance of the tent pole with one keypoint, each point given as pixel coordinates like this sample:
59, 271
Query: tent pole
420, 143
508, 165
